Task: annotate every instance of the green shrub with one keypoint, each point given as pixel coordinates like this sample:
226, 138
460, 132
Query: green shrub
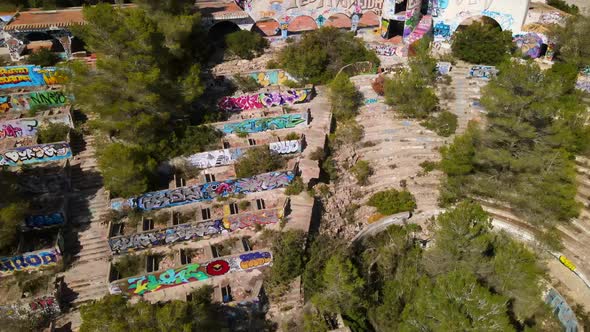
288, 253
43, 57
258, 160
245, 44
409, 95
292, 136
130, 265
391, 201
317, 154
362, 170
562, 5
482, 44
53, 132
247, 83
328, 166
428, 166
296, 187
244, 205
444, 123
344, 97
272, 64
348, 132
11, 217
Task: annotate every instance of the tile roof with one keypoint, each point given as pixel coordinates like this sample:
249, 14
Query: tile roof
37, 19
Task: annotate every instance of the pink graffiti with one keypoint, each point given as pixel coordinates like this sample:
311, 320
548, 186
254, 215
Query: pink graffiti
10, 131
246, 102
43, 303
223, 187
267, 99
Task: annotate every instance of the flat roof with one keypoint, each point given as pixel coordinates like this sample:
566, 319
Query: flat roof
43, 19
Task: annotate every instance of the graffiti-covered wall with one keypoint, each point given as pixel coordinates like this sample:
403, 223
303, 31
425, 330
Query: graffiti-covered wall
29, 261
485, 72
40, 221
23, 102
205, 192
191, 273
258, 125
194, 231
45, 306
29, 126
449, 14
271, 77
27, 76
265, 99
35, 154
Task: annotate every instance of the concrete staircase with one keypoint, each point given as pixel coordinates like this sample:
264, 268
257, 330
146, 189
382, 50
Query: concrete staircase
463, 92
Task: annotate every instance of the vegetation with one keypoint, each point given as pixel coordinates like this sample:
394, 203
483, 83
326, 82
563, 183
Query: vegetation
344, 97
392, 201
443, 123
287, 249
43, 57
11, 217
130, 265
144, 86
257, 160
246, 83
524, 157
470, 279
126, 170
562, 5
245, 44
116, 314
347, 133
573, 41
53, 132
361, 171
296, 187
318, 56
480, 43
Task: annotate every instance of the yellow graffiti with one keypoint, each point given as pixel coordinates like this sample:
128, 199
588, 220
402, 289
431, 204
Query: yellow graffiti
15, 79
567, 263
263, 79
14, 71
254, 263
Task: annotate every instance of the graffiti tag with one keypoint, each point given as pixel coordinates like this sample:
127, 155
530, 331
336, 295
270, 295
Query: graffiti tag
36, 154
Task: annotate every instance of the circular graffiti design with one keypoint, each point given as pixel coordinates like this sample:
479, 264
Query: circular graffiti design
217, 268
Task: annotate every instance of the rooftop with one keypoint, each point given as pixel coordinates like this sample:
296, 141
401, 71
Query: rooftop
41, 19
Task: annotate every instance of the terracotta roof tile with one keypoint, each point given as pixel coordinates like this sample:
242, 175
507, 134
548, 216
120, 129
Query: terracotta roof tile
44, 19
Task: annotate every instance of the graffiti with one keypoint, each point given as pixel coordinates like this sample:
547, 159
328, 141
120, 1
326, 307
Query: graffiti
583, 83
191, 273
271, 77
530, 44
383, 49
412, 19
28, 127
285, 147
211, 159
505, 20
485, 72
35, 154
207, 191
47, 306
442, 31
265, 99
444, 68
370, 101
29, 261
26, 101
191, 232
27, 76
263, 124
42, 221
384, 29
565, 314
552, 18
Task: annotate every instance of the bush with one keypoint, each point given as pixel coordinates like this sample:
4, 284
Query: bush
292, 136
408, 94
391, 201
444, 123
348, 132
362, 170
329, 168
562, 5
296, 187
344, 97
245, 44
129, 265
244, 205
196, 139
258, 160
288, 252
428, 166
126, 171
43, 57
53, 132
246, 83
318, 56
317, 154
482, 44
11, 217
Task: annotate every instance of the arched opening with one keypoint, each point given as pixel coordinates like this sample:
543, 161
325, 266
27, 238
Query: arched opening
486, 20
302, 23
339, 21
369, 19
267, 27
219, 30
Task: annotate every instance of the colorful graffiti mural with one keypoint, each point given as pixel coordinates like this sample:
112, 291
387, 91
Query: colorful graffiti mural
205, 192
285, 147
47, 306
485, 72
263, 124
265, 99
29, 126
444, 68
271, 77
36, 154
193, 231
23, 102
29, 261
564, 313
191, 273
44, 220
530, 44
27, 76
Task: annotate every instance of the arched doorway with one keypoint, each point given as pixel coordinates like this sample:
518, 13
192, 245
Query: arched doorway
302, 23
39, 39
219, 30
339, 21
267, 27
486, 20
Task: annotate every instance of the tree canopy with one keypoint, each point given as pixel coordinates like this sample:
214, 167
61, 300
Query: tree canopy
318, 55
481, 43
573, 41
